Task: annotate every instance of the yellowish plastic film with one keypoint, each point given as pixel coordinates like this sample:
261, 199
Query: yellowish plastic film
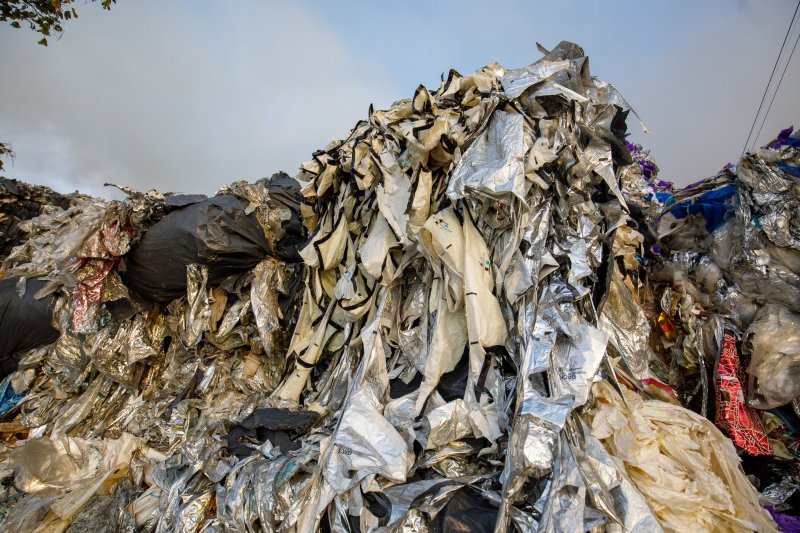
687, 470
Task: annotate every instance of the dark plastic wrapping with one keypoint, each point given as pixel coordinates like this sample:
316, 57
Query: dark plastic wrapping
285, 191
279, 426
24, 322
215, 232
466, 512
182, 200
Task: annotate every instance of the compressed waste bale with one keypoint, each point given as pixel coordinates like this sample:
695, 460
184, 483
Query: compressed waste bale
25, 322
215, 232
725, 296
276, 202
229, 233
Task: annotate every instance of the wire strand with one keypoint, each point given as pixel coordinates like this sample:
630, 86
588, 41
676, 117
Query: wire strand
777, 88
771, 76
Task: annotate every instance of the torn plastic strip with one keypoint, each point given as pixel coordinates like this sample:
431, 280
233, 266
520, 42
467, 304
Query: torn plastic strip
293, 386
269, 280
485, 323
198, 310
625, 323
564, 509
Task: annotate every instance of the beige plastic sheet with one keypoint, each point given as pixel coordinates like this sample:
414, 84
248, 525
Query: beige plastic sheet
686, 469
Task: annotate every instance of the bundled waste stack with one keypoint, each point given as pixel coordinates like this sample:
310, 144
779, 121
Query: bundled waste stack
466, 345
726, 301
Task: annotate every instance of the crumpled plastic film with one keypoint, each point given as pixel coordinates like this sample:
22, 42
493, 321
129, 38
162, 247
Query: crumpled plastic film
268, 282
684, 467
633, 511
774, 338
627, 326
53, 239
198, 311
493, 164
66, 472
564, 507
20, 202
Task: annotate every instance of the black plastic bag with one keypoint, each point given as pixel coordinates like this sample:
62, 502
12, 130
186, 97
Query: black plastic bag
215, 232
24, 322
466, 512
285, 191
279, 426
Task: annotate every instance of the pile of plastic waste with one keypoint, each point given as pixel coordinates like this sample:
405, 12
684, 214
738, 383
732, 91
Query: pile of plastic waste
481, 310
20, 202
725, 299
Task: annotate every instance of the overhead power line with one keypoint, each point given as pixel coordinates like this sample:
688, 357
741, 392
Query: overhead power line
771, 77
777, 88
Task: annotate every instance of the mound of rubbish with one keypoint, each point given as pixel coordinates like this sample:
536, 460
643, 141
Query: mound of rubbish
20, 202
481, 310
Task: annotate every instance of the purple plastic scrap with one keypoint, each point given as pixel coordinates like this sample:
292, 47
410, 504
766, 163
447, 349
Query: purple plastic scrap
786, 523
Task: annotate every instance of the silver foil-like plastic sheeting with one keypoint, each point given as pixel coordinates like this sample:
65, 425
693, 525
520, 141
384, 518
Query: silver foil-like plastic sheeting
627, 327
493, 164
198, 311
564, 507
268, 283
575, 360
564, 63
53, 239
534, 439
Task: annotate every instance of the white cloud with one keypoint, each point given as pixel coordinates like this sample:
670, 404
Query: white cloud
160, 95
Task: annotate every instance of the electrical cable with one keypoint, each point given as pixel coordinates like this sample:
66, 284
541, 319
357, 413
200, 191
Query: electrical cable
769, 108
771, 76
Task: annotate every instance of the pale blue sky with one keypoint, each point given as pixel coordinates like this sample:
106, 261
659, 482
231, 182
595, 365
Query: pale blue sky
187, 96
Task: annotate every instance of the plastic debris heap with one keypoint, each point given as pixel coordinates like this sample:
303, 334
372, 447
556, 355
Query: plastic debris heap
483, 311
20, 202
